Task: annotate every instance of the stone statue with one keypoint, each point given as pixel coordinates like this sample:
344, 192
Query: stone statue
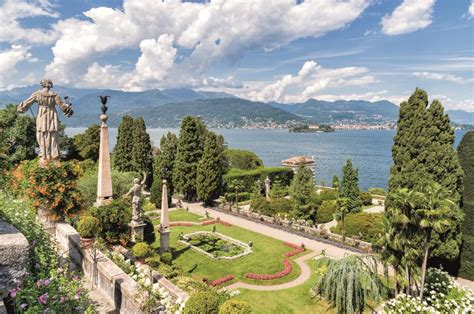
136, 192
47, 121
267, 187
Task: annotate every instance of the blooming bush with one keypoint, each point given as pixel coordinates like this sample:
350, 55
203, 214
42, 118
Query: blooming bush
442, 295
297, 249
222, 280
288, 268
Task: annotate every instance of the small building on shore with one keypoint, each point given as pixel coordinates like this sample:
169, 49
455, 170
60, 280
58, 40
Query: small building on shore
296, 161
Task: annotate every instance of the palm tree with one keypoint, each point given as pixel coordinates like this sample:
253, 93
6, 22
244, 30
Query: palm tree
435, 215
343, 205
350, 282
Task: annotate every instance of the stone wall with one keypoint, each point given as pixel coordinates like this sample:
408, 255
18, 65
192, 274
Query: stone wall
112, 282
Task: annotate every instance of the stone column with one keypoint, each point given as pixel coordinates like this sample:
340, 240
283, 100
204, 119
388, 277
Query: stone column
164, 221
267, 188
104, 182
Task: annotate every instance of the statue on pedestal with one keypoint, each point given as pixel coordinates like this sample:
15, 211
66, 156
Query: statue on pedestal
136, 191
47, 121
267, 188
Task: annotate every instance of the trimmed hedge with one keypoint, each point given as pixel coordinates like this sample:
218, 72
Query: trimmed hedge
325, 211
249, 177
242, 159
205, 302
366, 225
243, 196
272, 207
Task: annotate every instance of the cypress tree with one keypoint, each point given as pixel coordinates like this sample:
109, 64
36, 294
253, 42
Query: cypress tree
87, 144
142, 156
123, 148
163, 168
210, 169
190, 148
423, 152
335, 182
350, 187
466, 158
302, 192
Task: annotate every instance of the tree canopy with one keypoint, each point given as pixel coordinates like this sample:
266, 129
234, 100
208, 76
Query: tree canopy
350, 187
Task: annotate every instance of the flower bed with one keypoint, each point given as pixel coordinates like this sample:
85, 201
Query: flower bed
237, 248
181, 224
288, 268
297, 249
222, 280
217, 221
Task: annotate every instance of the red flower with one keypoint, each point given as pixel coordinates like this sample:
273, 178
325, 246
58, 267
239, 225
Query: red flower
288, 268
222, 280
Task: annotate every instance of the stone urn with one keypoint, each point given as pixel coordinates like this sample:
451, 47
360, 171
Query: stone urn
87, 243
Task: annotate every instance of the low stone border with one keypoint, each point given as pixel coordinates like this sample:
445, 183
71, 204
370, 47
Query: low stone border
246, 247
303, 234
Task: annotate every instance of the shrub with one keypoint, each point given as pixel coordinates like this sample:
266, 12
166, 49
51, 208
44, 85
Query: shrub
235, 307
88, 227
166, 258
114, 219
281, 205
378, 191
261, 205
326, 211
190, 285
141, 250
329, 195
366, 225
149, 230
366, 198
169, 271
222, 280
53, 187
153, 261
287, 268
205, 302
249, 177
242, 159
243, 196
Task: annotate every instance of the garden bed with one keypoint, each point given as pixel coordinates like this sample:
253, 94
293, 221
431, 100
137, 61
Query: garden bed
216, 245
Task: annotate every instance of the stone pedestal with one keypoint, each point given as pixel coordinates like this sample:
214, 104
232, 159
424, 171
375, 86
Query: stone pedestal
164, 241
104, 182
47, 219
138, 229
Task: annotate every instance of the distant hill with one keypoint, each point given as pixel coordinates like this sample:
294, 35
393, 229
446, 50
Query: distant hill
461, 116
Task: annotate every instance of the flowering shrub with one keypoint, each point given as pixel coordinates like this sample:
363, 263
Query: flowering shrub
297, 249
442, 295
113, 220
288, 268
222, 280
52, 187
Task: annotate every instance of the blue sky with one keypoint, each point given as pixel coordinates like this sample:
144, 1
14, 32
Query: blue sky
265, 50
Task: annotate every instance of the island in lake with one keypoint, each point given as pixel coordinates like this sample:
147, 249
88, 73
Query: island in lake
312, 128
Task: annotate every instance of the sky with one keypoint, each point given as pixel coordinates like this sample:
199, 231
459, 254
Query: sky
263, 50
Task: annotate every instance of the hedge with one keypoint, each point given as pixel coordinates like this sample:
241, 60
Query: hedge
325, 211
366, 225
249, 177
328, 195
235, 307
243, 196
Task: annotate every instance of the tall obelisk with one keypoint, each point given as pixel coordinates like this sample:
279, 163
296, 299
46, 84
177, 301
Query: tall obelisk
165, 221
104, 182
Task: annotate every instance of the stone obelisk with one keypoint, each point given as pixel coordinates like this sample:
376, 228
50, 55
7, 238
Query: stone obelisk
104, 182
165, 221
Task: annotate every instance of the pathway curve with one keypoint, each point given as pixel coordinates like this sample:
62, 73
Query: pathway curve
305, 274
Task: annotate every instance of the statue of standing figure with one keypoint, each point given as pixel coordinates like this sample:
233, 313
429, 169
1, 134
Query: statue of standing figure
136, 192
47, 121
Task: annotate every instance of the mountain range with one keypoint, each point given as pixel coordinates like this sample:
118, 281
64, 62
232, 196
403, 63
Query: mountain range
165, 108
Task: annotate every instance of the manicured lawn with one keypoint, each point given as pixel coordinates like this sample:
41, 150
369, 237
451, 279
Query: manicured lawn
182, 215
293, 300
267, 256
368, 206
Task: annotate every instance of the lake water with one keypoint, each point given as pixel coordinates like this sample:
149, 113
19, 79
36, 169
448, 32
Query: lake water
370, 150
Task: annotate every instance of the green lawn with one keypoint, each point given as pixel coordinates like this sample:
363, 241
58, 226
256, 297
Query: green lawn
267, 256
182, 215
368, 206
293, 300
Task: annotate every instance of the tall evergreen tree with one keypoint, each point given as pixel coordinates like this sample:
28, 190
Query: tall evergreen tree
210, 169
422, 152
350, 186
124, 146
189, 152
87, 144
466, 158
163, 168
302, 191
142, 155
335, 182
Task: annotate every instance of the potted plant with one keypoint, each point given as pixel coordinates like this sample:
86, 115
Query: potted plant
141, 251
88, 227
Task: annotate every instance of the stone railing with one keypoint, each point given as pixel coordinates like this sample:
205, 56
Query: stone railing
112, 282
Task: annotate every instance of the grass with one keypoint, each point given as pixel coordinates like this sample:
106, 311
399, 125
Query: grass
267, 256
368, 206
182, 215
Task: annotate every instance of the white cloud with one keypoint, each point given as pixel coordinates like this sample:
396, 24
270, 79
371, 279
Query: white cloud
471, 8
208, 32
408, 17
8, 60
450, 104
309, 82
442, 77
11, 13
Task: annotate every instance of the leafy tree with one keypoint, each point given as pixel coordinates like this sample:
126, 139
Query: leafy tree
302, 192
19, 135
210, 169
189, 152
142, 156
422, 152
466, 158
343, 207
87, 144
237, 186
163, 168
350, 283
124, 146
350, 186
243, 159
335, 182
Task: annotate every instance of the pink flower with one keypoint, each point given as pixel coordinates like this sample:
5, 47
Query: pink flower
14, 291
63, 300
43, 299
23, 305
